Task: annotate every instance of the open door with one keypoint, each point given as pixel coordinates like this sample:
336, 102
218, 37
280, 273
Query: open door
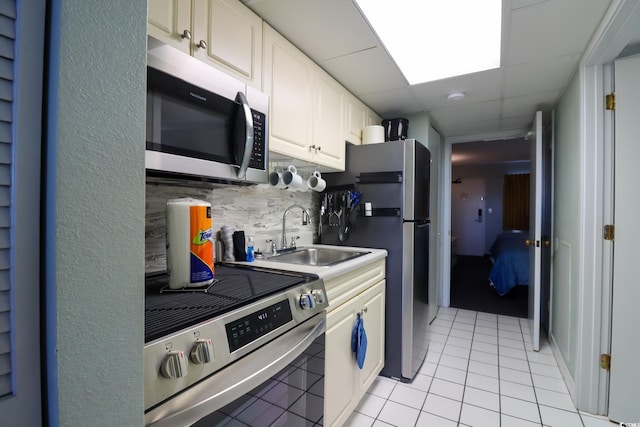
625, 334
535, 230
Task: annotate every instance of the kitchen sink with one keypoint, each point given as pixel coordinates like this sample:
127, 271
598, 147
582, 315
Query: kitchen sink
319, 257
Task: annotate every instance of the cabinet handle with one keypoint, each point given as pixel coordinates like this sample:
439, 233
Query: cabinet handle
312, 147
319, 148
186, 34
363, 311
202, 44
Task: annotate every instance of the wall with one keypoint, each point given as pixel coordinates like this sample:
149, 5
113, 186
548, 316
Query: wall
256, 209
567, 238
94, 189
493, 174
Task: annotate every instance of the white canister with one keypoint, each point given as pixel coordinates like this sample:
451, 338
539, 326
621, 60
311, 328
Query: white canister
373, 134
189, 243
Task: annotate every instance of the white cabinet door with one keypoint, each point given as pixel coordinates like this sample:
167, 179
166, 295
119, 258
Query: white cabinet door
355, 112
340, 380
372, 303
328, 142
372, 118
168, 20
287, 79
228, 36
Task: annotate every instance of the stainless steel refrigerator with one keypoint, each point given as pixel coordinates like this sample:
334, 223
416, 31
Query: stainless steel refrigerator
394, 178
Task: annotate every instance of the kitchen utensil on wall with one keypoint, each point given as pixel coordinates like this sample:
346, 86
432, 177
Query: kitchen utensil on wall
189, 243
395, 129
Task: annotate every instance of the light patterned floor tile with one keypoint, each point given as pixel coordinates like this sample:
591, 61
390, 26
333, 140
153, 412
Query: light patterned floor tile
408, 396
553, 417
481, 398
371, 405
519, 408
359, 420
429, 420
447, 389
478, 417
443, 407
398, 415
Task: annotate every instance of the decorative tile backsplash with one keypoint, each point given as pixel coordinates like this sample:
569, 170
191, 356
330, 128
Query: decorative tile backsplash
255, 209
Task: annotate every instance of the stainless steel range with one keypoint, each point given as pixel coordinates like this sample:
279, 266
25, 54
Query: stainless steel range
205, 352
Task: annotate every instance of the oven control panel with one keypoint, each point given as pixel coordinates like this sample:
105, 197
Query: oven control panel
249, 328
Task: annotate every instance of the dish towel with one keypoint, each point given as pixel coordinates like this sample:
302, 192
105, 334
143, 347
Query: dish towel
359, 341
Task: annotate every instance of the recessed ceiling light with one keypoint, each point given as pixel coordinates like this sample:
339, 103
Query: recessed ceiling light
433, 40
456, 96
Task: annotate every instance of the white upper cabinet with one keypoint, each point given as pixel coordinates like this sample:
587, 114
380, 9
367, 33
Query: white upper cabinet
232, 36
287, 79
170, 22
328, 142
223, 33
307, 105
357, 116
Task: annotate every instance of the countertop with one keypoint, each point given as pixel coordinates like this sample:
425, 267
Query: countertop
326, 272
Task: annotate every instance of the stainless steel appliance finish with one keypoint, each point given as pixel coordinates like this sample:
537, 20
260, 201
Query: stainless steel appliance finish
201, 122
394, 178
204, 350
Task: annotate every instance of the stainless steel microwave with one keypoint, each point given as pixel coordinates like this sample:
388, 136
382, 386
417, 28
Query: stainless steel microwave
202, 123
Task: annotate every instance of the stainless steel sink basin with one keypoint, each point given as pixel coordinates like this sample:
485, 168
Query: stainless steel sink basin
319, 257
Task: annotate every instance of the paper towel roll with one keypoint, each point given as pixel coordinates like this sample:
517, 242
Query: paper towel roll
189, 245
372, 134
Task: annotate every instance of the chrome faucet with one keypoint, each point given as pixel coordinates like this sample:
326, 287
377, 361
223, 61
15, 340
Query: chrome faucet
305, 220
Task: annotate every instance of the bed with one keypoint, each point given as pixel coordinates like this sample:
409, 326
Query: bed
510, 258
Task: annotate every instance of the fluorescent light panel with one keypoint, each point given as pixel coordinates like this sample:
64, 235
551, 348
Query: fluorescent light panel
433, 40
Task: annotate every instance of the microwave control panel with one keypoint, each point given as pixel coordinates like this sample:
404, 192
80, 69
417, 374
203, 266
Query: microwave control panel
259, 141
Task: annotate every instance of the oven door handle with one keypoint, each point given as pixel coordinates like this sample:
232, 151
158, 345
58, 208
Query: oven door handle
237, 379
248, 141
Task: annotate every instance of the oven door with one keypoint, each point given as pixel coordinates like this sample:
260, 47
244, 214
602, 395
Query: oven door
281, 383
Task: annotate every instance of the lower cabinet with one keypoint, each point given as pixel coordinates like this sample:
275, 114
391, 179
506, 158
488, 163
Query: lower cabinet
345, 382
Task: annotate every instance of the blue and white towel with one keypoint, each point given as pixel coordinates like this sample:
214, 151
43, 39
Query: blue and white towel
359, 341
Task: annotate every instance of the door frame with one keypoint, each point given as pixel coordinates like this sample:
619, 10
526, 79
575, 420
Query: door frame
617, 29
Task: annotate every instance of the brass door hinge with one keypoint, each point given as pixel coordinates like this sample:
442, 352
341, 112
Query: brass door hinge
609, 232
610, 101
605, 362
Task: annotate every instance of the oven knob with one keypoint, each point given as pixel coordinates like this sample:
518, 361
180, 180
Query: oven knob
307, 301
318, 295
202, 351
174, 365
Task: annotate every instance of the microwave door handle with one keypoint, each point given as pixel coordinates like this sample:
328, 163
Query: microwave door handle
248, 143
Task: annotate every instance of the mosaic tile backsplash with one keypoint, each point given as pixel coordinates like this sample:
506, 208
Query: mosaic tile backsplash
255, 209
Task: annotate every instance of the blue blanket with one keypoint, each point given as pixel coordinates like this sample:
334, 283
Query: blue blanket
511, 262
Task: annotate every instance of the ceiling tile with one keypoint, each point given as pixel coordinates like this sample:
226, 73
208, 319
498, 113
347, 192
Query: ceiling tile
322, 29
392, 103
552, 28
529, 104
480, 111
366, 72
539, 76
483, 86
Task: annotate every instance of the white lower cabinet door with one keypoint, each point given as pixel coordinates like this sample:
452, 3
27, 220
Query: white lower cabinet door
341, 381
372, 304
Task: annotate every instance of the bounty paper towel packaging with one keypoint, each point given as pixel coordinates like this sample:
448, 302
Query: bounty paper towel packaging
189, 243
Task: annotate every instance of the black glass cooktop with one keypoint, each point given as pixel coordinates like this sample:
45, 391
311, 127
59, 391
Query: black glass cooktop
168, 312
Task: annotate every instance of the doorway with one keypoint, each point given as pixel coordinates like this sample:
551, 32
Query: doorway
476, 194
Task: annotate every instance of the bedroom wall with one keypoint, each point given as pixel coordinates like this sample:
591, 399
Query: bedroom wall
493, 175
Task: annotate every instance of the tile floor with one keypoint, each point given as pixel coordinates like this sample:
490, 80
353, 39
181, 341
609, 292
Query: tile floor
479, 371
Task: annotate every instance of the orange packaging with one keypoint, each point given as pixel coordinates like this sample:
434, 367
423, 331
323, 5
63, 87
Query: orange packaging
201, 246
